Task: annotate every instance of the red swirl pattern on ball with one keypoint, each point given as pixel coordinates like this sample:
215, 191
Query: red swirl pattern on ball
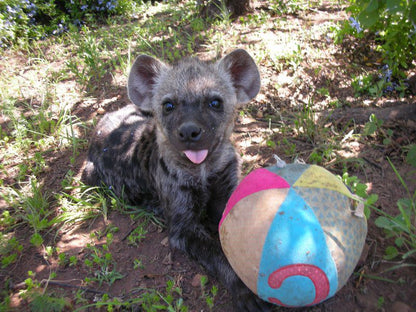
314, 273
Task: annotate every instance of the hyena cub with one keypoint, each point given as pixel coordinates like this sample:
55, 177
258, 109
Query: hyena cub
171, 151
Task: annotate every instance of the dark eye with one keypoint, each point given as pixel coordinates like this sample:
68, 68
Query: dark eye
215, 104
168, 107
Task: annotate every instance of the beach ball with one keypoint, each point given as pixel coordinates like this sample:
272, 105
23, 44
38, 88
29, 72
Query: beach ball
293, 234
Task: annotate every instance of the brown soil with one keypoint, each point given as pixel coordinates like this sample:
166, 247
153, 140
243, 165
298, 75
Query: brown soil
370, 288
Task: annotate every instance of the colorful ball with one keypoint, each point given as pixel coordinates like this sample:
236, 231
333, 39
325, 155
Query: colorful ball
291, 235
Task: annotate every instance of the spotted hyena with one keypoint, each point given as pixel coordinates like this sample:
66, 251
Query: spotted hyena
171, 151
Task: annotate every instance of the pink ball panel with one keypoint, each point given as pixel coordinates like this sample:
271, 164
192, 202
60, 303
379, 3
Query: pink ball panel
258, 180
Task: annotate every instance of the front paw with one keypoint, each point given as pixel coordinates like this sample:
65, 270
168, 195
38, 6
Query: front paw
245, 300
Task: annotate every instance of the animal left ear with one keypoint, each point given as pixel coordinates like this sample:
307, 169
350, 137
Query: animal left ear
244, 74
143, 75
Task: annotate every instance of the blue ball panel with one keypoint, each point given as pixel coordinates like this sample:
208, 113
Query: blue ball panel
295, 246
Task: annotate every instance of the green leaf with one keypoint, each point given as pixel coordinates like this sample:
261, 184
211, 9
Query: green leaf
399, 241
372, 6
392, 6
391, 253
408, 254
7, 260
271, 144
411, 155
361, 189
368, 19
412, 13
36, 239
384, 223
404, 205
367, 212
372, 199
370, 128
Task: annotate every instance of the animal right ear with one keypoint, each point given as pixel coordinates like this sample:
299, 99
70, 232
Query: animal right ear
243, 73
143, 76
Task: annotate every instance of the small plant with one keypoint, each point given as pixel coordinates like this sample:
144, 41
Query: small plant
315, 157
81, 202
138, 234
101, 261
377, 85
45, 303
49, 251
173, 304
62, 259
138, 264
73, 260
380, 302
224, 14
148, 300
401, 227
323, 91
39, 300
209, 295
6, 219
288, 7
360, 189
367, 84
10, 249
24, 20
392, 24
31, 205
288, 148
374, 128
305, 123
36, 240
88, 66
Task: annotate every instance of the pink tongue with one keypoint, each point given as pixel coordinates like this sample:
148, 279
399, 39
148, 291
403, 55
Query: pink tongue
196, 157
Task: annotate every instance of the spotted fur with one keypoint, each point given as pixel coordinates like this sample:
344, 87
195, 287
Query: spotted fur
139, 152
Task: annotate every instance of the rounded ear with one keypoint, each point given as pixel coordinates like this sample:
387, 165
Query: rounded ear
143, 75
244, 74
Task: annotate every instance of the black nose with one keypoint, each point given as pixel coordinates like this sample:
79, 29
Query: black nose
189, 132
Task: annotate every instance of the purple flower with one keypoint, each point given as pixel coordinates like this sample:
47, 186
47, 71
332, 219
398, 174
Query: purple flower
355, 24
11, 10
387, 72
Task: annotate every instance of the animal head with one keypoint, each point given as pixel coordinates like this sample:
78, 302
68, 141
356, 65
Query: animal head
194, 102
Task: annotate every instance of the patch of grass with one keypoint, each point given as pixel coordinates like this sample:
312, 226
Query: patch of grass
138, 234
10, 249
100, 262
208, 295
138, 264
360, 189
32, 205
88, 65
146, 299
306, 124
400, 227
36, 129
280, 7
80, 202
51, 86
47, 303
374, 128
289, 149
38, 300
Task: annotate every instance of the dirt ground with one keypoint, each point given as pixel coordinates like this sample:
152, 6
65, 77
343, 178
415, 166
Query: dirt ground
370, 288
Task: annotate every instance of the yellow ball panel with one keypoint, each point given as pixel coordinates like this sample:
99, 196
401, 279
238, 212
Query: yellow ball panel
318, 177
